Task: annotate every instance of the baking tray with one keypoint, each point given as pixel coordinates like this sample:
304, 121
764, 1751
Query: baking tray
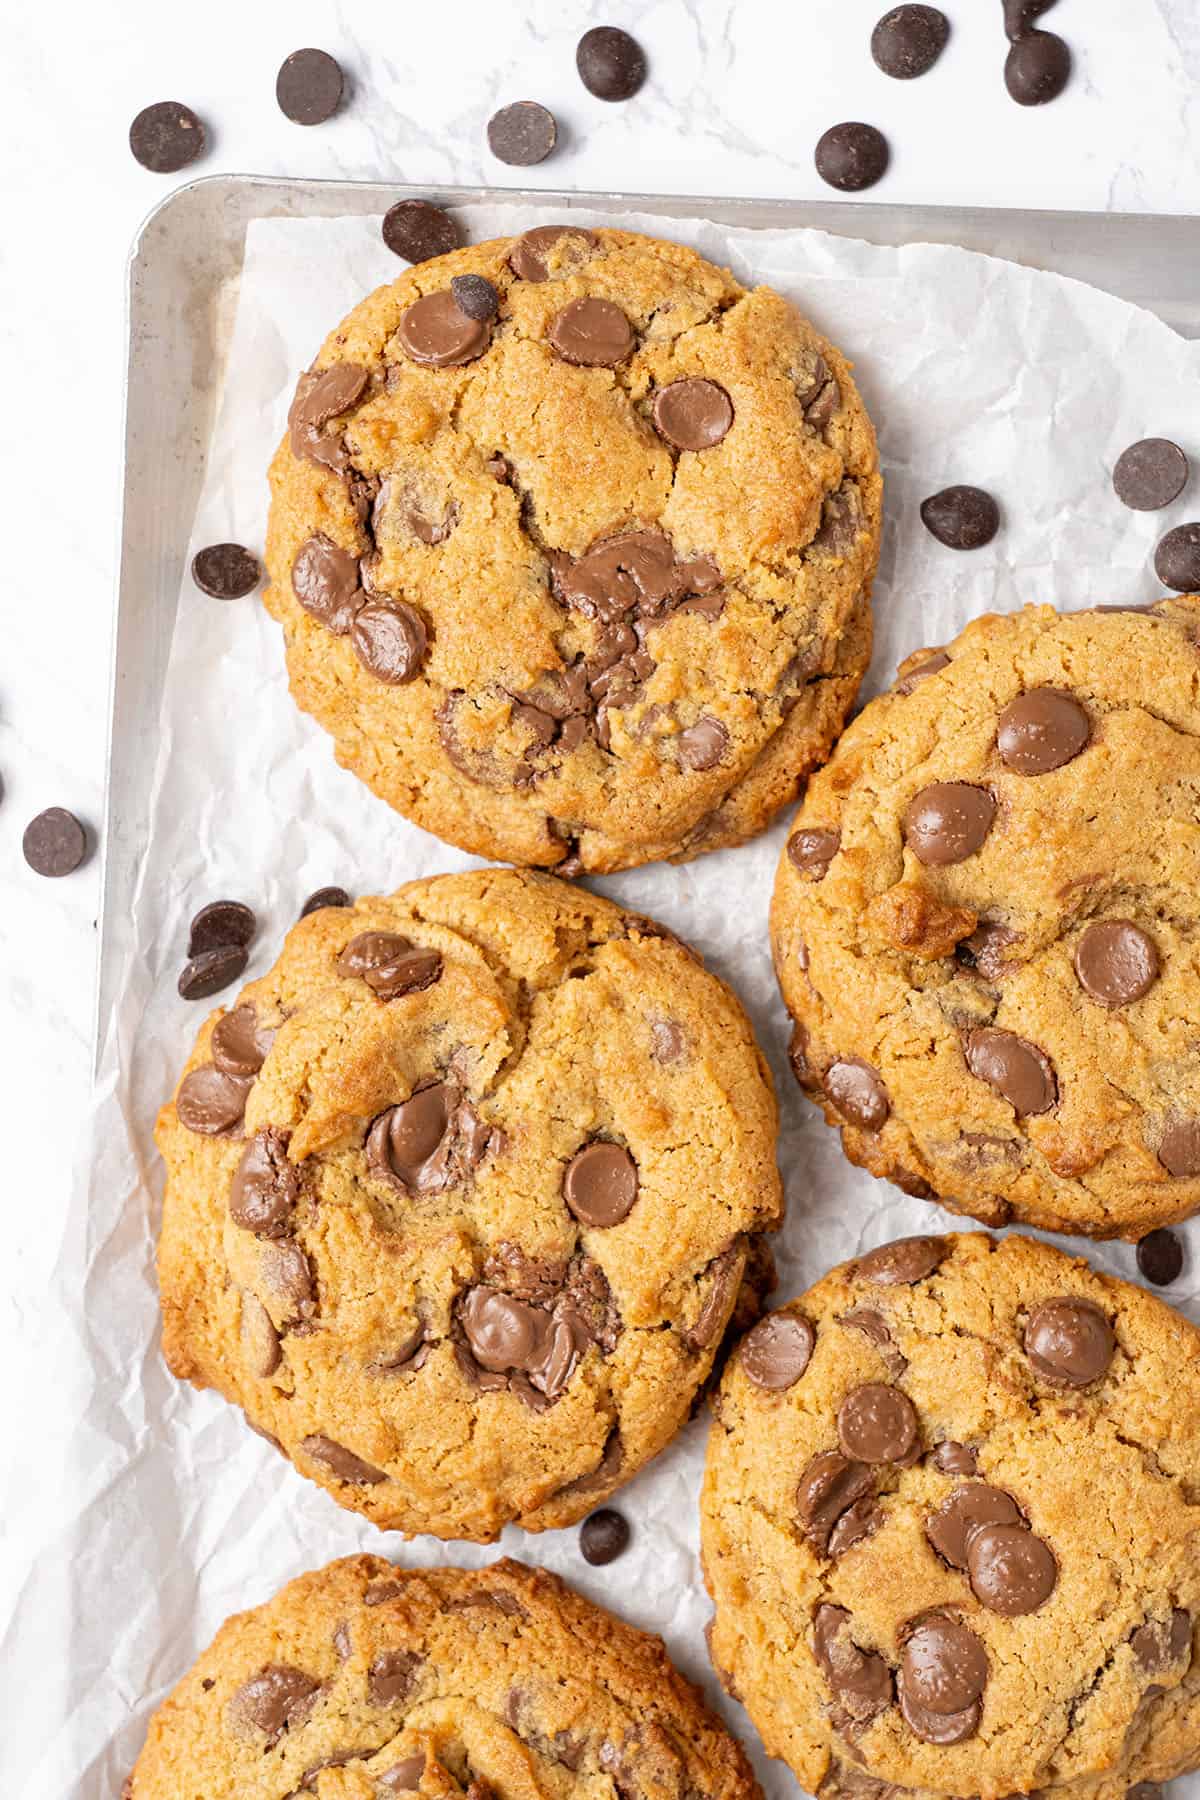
184, 269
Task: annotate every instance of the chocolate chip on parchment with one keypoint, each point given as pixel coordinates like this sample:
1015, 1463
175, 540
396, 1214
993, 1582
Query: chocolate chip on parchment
1037, 68
389, 640
522, 134
166, 136
1150, 474
341, 1463
947, 821
1011, 1570
265, 1185
1116, 962
211, 971
592, 333
601, 1184
527, 258
416, 230
1069, 1341
476, 296
54, 843
693, 414
1160, 1256
776, 1352
903, 1262
1018, 1071
611, 64
226, 571
908, 40
210, 1101
1041, 730
856, 1090
961, 517
852, 156
309, 87
965, 1511
219, 924
603, 1536
326, 896
436, 331
943, 1672
877, 1424
812, 850
274, 1700
1179, 1147
1177, 559
860, 1679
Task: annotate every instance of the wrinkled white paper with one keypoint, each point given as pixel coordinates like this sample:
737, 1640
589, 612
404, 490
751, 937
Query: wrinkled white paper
174, 1515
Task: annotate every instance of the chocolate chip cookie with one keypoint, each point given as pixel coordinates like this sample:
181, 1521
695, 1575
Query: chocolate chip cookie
571, 540
460, 1198
950, 1527
985, 923
361, 1681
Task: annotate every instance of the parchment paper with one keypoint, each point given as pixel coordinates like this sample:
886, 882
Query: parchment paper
172, 1514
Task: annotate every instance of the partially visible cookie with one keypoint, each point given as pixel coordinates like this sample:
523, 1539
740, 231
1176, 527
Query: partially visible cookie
951, 1528
362, 1681
572, 540
986, 922
461, 1197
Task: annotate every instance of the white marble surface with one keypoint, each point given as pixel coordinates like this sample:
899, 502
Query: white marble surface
739, 92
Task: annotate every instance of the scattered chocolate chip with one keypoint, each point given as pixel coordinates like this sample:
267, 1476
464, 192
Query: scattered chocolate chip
962, 517
1160, 1256
963, 1513
858, 1093
702, 745
54, 843
325, 582
535, 1351
877, 1424
856, 1523
276, 1699
611, 64
522, 134
943, 1672
1150, 474
603, 1536
211, 971
852, 156
903, 1262
1037, 68
211, 1102
919, 672
592, 333
1018, 1071
166, 137
322, 395
403, 1777
812, 850
220, 924
390, 1680
693, 414
390, 965
1116, 962
527, 258
947, 822
1177, 559
265, 1186
475, 296
1020, 14
308, 87
1012, 1570
226, 571
1179, 1147
829, 1485
860, 1679
341, 1463
404, 1142
908, 40
776, 1352
416, 230
389, 640
436, 331
601, 1184
1042, 730
953, 1458
326, 896
1069, 1341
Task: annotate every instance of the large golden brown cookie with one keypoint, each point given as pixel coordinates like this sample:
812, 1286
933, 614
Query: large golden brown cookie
951, 1527
459, 1199
985, 923
572, 540
362, 1681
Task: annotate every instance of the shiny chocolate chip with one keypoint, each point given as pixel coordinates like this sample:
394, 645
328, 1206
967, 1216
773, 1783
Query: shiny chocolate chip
1012, 1570
877, 1424
211, 971
308, 87
902, 1263
476, 296
436, 332
693, 414
603, 1536
218, 924
416, 230
860, 1679
226, 571
852, 156
1042, 730
953, 1458
527, 258
1179, 1147
601, 1184
390, 1680
948, 821
592, 333
829, 1485
265, 1186
1177, 559
812, 850
210, 1101
919, 672
1037, 68
321, 395
961, 517
1016, 1069
1150, 474
275, 1700
522, 133
403, 1777
1116, 962
942, 1676
971, 1506
859, 1095
341, 1463
390, 965
856, 1523
776, 1352
54, 843
404, 1142
390, 640
1160, 1256
323, 897
1069, 1341
611, 64
908, 41
325, 582
166, 137
703, 745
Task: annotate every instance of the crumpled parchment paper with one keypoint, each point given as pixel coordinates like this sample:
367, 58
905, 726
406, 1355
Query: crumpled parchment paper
173, 1514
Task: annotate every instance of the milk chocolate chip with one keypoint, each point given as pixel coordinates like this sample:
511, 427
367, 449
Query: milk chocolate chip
404, 1142
812, 850
265, 1185
1179, 1147
1012, 1571
971, 1506
947, 822
1018, 1071
703, 744
390, 1680
390, 965
693, 414
276, 1699
238, 1046
1042, 730
1116, 962
1069, 1341
527, 259
829, 1485
877, 1424
860, 1679
776, 1353
943, 1672
902, 1263
390, 640
601, 1184
341, 1463
210, 1101
325, 582
436, 332
858, 1093
592, 333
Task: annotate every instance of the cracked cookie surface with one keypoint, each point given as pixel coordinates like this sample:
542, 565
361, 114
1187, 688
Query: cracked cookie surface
461, 1197
985, 923
362, 1680
579, 575
951, 1525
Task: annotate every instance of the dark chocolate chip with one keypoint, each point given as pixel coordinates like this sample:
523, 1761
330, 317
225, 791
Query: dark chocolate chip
592, 333
1179, 1147
702, 746
308, 87
226, 571
389, 640
1177, 559
601, 1184
273, 1701
211, 971
852, 156
1037, 68
947, 822
776, 1352
416, 230
1020, 14
1116, 962
210, 1101
527, 256
1069, 1341
166, 137
919, 672
265, 1186
693, 414
903, 1262
856, 1090
611, 64
54, 843
220, 924
877, 1424
522, 134
908, 40
341, 1463
475, 296
1012, 1570
326, 896
603, 1536
1018, 1071
404, 1142
963, 1513
812, 850
1041, 730
962, 517
1150, 474
1160, 1256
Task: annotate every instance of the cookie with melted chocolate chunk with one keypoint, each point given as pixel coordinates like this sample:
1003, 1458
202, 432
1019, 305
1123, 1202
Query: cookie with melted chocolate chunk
572, 540
462, 1197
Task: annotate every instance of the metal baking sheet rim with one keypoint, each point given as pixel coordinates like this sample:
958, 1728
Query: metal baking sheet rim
183, 271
